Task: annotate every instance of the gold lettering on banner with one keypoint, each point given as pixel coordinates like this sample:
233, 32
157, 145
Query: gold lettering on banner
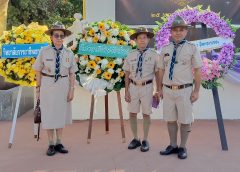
182, 2
155, 15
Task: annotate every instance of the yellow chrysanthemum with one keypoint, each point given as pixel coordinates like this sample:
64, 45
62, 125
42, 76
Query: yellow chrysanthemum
121, 33
101, 26
19, 41
107, 75
107, 33
110, 65
121, 74
121, 42
95, 39
91, 64
98, 71
97, 59
91, 32
28, 39
114, 25
19, 29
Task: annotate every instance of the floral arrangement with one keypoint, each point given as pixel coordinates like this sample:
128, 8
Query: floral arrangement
213, 20
19, 71
105, 68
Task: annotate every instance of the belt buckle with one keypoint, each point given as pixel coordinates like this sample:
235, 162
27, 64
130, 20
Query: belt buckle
138, 83
174, 87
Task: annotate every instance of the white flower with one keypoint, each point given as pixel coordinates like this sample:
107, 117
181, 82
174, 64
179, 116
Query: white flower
111, 70
118, 70
118, 61
118, 79
103, 38
87, 70
114, 32
106, 26
97, 67
76, 56
89, 39
95, 28
92, 57
83, 62
113, 40
110, 86
127, 37
104, 62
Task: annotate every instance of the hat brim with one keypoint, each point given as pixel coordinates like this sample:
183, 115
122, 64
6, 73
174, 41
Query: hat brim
66, 32
135, 35
185, 26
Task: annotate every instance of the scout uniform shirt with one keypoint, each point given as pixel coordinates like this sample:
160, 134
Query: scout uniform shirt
187, 58
149, 65
46, 61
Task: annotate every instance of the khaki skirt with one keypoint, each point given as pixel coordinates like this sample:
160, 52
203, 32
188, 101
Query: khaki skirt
56, 111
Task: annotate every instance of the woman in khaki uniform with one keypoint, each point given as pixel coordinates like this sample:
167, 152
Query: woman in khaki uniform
55, 71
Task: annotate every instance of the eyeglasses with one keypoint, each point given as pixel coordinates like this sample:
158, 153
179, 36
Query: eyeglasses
57, 36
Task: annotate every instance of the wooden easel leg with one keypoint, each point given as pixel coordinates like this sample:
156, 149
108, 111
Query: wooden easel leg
106, 115
90, 119
121, 116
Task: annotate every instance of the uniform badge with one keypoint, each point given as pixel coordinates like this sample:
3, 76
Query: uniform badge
184, 62
166, 54
49, 60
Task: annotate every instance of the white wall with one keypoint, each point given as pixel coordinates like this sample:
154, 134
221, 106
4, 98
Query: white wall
97, 10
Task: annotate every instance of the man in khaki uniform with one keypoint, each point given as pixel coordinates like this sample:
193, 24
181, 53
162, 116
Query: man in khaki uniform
177, 61
140, 68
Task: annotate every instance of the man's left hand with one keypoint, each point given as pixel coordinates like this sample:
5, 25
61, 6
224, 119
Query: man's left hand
194, 96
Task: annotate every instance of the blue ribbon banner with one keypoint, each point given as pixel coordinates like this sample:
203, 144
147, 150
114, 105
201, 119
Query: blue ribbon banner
21, 50
103, 50
211, 43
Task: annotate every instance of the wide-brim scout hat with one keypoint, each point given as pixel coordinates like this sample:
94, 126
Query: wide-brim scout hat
179, 22
58, 26
141, 30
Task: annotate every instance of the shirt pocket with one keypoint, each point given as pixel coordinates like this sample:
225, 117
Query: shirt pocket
149, 66
49, 65
133, 66
184, 61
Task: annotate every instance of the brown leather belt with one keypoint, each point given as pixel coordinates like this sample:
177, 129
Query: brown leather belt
141, 83
178, 87
52, 76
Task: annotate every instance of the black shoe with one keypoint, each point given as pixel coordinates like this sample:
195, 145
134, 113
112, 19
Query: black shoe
145, 146
134, 144
60, 148
169, 150
51, 151
182, 153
